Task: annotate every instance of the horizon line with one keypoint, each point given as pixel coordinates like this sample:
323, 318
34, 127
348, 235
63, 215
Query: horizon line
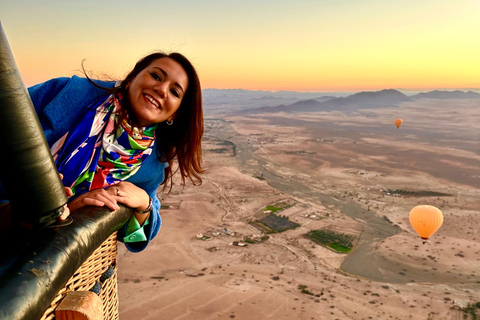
354, 90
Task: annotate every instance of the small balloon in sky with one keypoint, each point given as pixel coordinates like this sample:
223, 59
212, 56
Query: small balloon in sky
426, 220
398, 122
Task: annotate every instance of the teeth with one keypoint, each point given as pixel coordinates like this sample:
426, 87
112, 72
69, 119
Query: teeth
153, 101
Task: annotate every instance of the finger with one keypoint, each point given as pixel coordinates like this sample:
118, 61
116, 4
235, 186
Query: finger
115, 191
118, 194
92, 202
107, 194
61, 176
65, 214
81, 202
68, 191
107, 199
112, 205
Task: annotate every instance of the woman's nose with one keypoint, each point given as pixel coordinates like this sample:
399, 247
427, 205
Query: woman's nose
161, 89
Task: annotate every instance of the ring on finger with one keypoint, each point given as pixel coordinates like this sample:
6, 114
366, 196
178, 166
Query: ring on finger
118, 192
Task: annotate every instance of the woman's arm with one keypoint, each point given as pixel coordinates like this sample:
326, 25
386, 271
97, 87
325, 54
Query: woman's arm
43, 93
60, 102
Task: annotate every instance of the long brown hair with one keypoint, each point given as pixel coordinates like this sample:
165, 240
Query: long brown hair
183, 139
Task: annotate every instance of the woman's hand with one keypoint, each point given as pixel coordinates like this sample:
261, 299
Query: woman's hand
123, 192
133, 197
97, 197
130, 195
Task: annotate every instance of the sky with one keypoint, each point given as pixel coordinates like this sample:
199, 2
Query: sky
274, 45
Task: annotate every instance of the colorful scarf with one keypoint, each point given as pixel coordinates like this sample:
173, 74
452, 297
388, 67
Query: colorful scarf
91, 155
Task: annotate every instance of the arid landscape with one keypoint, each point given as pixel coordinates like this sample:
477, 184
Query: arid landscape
351, 172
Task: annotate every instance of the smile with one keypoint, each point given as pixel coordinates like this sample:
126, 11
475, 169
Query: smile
152, 101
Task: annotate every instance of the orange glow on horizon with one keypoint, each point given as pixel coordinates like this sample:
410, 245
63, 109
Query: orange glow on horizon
348, 46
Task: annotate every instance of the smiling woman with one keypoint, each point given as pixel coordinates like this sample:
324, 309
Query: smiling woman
115, 142
157, 91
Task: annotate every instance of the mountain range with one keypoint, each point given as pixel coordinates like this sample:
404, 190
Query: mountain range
439, 94
360, 100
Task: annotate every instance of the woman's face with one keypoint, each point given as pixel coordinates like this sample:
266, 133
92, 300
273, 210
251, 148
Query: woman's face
157, 91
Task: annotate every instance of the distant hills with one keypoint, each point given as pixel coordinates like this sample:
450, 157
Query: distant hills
239, 101
374, 99
360, 100
438, 94
228, 100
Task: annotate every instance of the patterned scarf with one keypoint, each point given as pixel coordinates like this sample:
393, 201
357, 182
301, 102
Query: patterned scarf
91, 155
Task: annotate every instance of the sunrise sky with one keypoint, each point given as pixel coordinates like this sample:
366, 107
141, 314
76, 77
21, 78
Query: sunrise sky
305, 45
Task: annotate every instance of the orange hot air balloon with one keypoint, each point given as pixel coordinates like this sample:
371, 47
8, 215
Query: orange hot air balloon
426, 220
398, 122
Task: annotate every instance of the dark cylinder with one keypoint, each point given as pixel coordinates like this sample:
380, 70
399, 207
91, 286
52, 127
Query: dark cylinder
27, 170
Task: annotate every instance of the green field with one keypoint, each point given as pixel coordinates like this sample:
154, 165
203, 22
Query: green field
273, 209
338, 241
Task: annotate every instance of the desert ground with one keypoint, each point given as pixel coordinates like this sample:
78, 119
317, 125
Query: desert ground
337, 171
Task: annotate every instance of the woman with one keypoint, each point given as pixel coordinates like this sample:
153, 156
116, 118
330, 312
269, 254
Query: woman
116, 143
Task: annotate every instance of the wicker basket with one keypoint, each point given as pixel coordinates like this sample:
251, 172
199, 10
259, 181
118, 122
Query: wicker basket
86, 276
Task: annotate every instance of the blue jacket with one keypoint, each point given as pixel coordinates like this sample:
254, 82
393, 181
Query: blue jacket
59, 103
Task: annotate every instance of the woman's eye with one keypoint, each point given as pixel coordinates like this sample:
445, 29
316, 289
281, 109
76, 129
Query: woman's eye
175, 93
156, 76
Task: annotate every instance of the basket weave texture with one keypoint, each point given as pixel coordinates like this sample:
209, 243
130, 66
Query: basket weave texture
86, 276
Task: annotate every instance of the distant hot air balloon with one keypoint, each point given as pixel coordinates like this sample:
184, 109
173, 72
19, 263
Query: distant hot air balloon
398, 122
426, 220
